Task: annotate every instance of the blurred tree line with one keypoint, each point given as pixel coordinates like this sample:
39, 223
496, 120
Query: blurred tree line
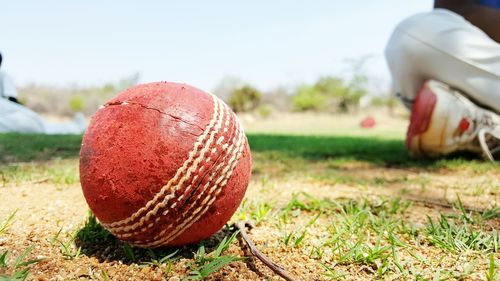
66, 101
330, 94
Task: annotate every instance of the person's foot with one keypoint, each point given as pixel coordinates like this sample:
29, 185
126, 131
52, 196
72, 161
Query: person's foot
443, 121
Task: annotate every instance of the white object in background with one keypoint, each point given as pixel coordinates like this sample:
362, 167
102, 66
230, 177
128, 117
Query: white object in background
7, 87
17, 118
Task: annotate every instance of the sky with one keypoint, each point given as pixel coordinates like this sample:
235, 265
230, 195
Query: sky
268, 44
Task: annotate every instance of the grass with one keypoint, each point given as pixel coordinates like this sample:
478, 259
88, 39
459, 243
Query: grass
92, 237
165, 262
374, 150
205, 264
34, 147
253, 210
373, 234
60, 172
464, 232
7, 222
377, 150
93, 232
360, 236
67, 247
491, 274
28, 147
459, 238
18, 267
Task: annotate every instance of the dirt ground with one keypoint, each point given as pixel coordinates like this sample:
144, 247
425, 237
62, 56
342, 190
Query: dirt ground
48, 213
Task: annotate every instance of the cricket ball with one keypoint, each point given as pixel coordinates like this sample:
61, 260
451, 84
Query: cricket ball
164, 164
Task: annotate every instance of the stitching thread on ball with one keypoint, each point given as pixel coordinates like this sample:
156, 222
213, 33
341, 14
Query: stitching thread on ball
122, 224
196, 214
188, 188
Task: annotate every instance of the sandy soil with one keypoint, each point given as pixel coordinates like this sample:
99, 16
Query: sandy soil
44, 209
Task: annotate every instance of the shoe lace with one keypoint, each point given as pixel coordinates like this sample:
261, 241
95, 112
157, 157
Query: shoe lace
492, 140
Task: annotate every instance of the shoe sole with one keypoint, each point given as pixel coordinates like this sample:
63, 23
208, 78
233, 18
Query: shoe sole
420, 118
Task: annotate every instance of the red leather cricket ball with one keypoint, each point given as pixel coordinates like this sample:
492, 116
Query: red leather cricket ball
164, 164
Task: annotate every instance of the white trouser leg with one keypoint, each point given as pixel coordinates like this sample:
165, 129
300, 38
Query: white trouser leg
17, 118
441, 45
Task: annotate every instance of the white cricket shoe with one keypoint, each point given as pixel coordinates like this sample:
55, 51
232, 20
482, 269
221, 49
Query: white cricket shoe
444, 121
